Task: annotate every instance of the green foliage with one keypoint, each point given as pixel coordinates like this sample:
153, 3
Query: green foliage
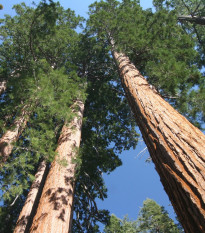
152, 218
120, 226
155, 43
40, 84
107, 130
191, 98
53, 68
9, 215
48, 66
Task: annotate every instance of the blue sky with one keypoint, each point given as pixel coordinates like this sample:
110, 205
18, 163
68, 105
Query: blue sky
133, 182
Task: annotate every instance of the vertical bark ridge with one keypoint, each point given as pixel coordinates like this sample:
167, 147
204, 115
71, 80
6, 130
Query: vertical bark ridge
177, 147
54, 213
12, 135
29, 209
2, 86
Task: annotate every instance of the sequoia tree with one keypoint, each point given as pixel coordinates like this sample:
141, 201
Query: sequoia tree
195, 10
12, 135
175, 145
191, 16
54, 80
16, 67
26, 216
55, 209
42, 84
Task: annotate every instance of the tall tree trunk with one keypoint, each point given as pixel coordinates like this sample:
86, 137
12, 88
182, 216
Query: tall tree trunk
12, 135
54, 213
192, 19
177, 148
29, 209
2, 86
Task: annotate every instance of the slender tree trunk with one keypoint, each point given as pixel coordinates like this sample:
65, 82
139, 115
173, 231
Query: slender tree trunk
29, 209
177, 147
12, 135
2, 86
54, 213
192, 19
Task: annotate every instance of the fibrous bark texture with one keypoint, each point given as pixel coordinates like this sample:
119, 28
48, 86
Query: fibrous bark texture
2, 86
177, 148
192, 19
12, 135
54, 213
29, 209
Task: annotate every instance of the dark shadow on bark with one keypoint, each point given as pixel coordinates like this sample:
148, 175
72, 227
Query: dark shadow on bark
59, 199
27, 220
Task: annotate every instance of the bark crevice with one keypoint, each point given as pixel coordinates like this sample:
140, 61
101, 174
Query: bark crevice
175, 145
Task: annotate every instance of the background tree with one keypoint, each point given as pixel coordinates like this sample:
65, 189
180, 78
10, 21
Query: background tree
152, 218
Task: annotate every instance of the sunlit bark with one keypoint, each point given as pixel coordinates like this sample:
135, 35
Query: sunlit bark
54, 213
29, 209
177, 147
12, 135
2, 86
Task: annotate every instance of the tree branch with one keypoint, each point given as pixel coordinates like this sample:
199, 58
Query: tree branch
192, 19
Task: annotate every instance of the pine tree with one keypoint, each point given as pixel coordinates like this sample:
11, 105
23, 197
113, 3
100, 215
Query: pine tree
152, 218
175, 145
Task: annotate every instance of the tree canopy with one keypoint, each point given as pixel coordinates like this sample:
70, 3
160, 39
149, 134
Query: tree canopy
151, 218
46, 69
47, 64
153, 40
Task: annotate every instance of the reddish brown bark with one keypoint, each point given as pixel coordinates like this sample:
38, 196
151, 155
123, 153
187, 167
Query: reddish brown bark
54, 213
177, 147
2, 86
12, 135
29, 209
